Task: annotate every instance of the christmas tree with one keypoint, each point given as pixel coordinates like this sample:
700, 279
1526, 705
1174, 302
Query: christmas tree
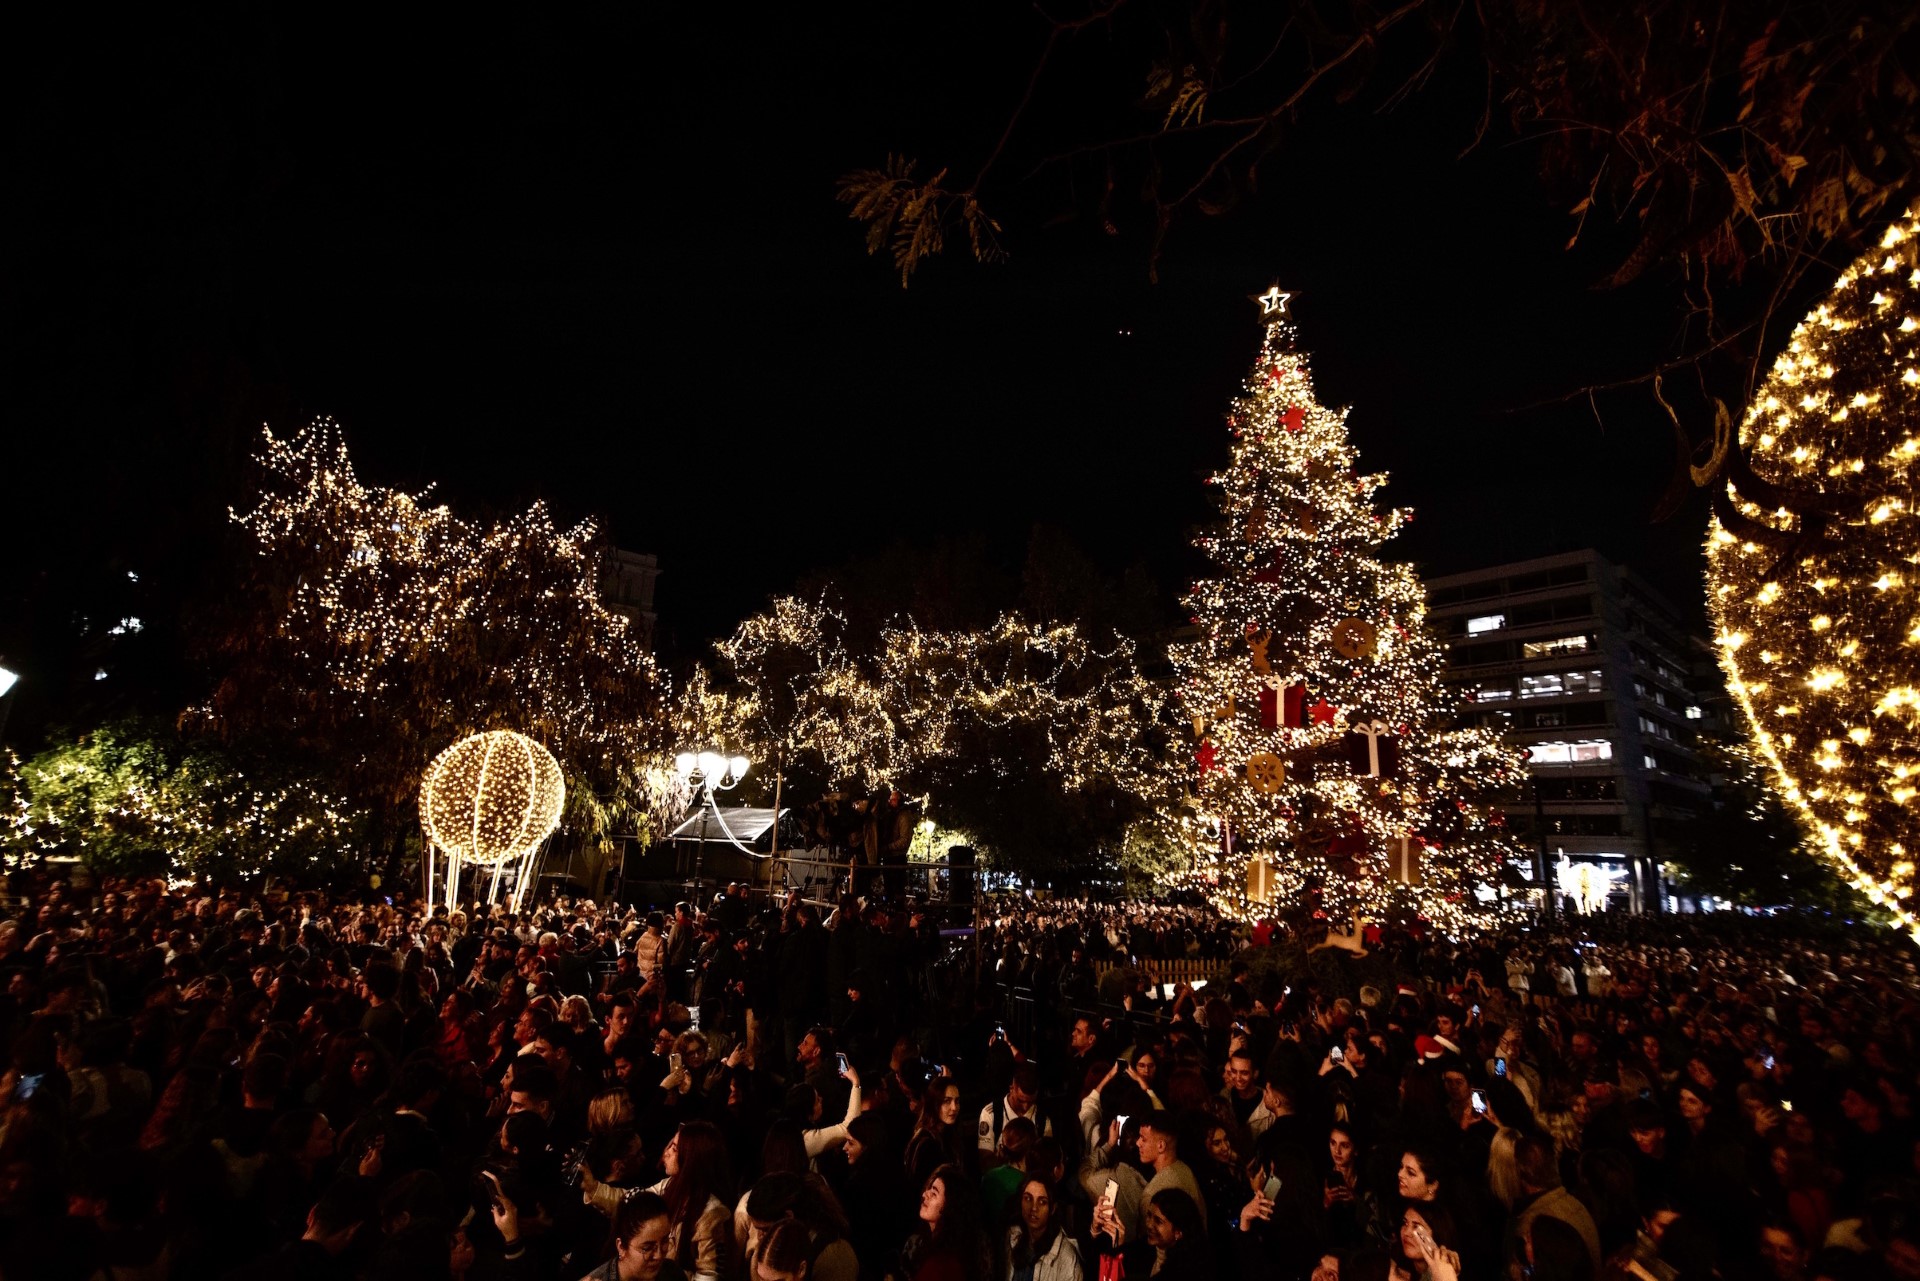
1326, 751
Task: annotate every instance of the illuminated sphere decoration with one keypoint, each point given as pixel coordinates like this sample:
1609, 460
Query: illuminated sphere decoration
1814, 572
492, 797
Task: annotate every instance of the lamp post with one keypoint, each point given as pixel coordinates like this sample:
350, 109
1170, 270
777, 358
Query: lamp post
706, 773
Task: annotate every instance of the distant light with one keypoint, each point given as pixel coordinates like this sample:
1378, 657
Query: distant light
132, 577
124, 626
8, 679
100, 673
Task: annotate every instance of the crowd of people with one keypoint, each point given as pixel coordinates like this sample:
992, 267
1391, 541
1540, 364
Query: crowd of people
289, 1086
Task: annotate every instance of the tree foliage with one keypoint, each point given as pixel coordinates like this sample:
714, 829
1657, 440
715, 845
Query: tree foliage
1041, 744
1726, 149
372, 628
1748, 849
136, 796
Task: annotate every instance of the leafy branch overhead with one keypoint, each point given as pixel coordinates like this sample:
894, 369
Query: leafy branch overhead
1725, 145
910, 219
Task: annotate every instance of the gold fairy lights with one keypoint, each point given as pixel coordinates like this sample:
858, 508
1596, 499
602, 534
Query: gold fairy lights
399, 624
1294, 582
492, 797
888, 715
1812, 566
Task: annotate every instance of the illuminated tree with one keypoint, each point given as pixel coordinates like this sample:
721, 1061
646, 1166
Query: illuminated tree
136, 797
1813, 570
1029, 736
374, 629
1323, 751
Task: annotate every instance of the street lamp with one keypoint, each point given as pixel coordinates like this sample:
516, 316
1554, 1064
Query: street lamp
707, 773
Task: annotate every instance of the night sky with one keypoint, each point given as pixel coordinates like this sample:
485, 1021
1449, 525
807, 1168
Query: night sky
600, 264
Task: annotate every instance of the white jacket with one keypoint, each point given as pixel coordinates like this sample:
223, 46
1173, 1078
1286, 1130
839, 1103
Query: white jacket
1061, 1263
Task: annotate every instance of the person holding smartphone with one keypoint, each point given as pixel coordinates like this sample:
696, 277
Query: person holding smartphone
1429, 1242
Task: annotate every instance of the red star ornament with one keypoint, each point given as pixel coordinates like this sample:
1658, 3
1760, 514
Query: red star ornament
1322, 712
1294, 419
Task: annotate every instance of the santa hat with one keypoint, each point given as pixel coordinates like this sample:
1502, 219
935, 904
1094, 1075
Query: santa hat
1428, 1047
1446, 1045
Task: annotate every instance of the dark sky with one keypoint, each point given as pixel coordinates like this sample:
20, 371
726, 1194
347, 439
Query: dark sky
597, 261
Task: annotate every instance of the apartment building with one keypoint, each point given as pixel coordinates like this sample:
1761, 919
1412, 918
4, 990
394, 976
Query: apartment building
1601, 680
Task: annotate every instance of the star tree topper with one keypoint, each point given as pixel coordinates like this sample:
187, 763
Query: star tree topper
1273, 302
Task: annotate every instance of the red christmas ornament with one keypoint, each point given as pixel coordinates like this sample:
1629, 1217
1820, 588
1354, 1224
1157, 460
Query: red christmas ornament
1322, 712
1295, 418
1206, 756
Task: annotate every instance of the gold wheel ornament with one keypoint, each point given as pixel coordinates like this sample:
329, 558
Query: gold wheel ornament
1266, 773
1354, 638
1813, 571
490, 800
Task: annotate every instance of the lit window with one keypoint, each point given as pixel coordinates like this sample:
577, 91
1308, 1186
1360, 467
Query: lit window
1693, 713
1558, 645
1541, 686
1492, 693
1486, 623
1577, 753
1649, 762
1587, 682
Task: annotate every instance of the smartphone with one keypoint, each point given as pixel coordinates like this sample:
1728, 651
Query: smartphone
843, 1063
28, 1084
999, 1033
1767, 1062
1123, 1123
1272, 1191
1476, 1012
1337, 1054
1112, 1193
673, 1061
1786, 1105
1121, 1065
1499, 1067
1479, 1103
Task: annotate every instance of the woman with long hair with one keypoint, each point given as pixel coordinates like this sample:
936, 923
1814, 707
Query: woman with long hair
950, 1242
1340, 1190
1037, 1247
874, 1194
936, 1140
1427, 1234
697, 1179
1178, 1236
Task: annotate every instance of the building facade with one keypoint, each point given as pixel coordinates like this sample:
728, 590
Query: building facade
1602, 682
626, 588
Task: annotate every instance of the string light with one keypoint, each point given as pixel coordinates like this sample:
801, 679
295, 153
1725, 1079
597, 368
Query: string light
1810, 560
891, 715
1297, 604
115, 801
389, 625
492, 797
